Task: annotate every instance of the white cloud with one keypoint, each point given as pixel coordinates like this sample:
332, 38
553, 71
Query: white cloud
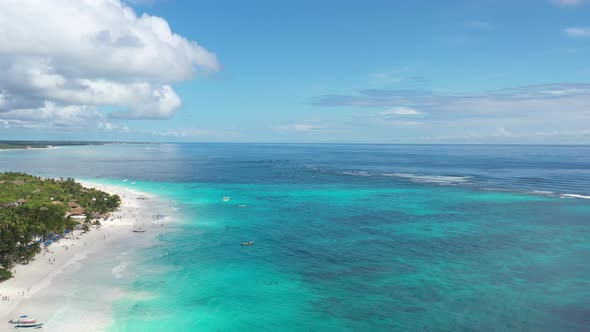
141, 2
502, 132
402, 123
299, 127
568, 3
577, 32
507, 115
392, 76
402, 111
52, 116
195, 133
86, 54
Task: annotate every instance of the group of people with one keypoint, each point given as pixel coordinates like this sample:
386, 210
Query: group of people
7, 298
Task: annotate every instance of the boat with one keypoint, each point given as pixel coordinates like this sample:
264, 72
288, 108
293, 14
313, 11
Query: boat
23, 320
242, 205
125, 180
139, 230
29, 326
226, 198
249, 243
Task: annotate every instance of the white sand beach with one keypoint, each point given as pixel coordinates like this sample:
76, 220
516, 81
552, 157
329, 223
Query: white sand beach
35, 289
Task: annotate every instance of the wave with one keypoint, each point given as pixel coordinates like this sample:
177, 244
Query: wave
117, 271
468, 180
357, 173
574, 196
542, 192
439, 179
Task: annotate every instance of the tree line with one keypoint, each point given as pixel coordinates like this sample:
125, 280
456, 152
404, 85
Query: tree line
33, 209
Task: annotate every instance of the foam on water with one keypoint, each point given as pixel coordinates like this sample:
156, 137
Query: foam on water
574, 196
118, 270
438, 179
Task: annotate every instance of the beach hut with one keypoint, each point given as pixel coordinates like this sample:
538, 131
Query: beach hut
77, 211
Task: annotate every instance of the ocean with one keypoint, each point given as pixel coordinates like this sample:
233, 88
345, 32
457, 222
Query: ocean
348, 237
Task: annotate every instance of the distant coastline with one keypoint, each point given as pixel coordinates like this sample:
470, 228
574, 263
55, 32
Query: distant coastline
30, 145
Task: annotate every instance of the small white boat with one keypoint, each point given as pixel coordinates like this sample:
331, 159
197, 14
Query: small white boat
125, 180
22, 321
226, 198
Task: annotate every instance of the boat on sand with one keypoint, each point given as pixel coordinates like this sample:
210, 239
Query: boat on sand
23, 320
29, 326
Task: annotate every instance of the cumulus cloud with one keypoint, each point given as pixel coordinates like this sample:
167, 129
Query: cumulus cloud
52, 116
64, 55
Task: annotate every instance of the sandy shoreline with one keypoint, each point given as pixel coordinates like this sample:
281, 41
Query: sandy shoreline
32, 289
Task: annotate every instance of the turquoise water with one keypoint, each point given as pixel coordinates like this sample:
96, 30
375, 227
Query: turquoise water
351, 257
339, 248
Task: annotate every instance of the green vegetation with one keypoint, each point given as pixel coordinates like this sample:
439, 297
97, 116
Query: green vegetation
4, 145
41, 144
33, 210
5, 274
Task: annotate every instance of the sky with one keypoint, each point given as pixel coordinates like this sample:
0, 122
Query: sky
296, 71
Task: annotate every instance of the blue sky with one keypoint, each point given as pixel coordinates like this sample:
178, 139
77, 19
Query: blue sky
338, 71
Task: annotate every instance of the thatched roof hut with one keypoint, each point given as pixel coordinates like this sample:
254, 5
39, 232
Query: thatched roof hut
77, 211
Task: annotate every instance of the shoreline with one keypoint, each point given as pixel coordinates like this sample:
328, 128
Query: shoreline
33, 288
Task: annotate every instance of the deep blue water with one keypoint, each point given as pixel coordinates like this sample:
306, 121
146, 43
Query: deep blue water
352, 237
560, 169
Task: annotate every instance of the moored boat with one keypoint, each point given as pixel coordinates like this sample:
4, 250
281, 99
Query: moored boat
249, 243
22, 321
29, 326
